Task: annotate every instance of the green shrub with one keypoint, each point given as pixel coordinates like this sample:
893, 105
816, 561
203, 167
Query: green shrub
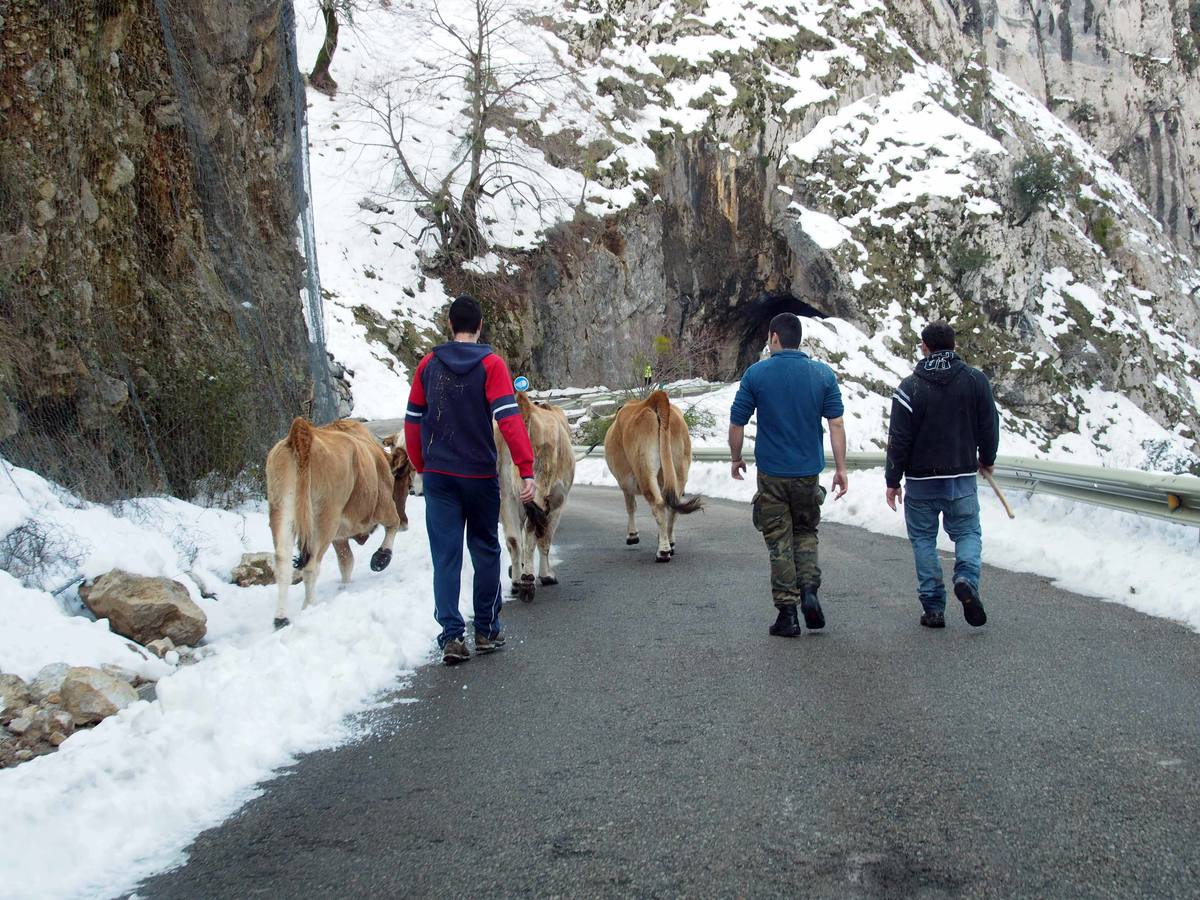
699, 420
1036, 182
591, 432
1104, 231
963, 258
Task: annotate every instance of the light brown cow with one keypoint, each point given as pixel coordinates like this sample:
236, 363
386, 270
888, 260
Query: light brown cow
649, 452
530, 524
326, 485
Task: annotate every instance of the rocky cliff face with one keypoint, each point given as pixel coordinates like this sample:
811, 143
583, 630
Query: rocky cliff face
150, 324
861, 161
1123, 74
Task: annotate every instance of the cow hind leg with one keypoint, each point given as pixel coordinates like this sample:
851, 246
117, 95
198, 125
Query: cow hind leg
527, 587
283, 532
661, 511
672, 516
382, 557
514, 562
631, 534
647, 473
546, 573
345, 559
311, 570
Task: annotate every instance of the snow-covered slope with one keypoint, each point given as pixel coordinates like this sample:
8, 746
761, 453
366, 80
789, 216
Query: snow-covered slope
886, 173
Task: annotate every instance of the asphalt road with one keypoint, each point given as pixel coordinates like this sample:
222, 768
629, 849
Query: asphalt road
642, 735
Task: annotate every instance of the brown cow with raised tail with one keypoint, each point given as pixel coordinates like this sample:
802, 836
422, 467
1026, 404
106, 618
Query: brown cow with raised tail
326, 485
649, 451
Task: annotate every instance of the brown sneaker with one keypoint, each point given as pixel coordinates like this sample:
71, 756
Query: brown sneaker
455, 651
484, 644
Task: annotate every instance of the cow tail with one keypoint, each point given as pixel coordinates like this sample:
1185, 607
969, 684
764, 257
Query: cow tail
526, 406
661, 405
299, 441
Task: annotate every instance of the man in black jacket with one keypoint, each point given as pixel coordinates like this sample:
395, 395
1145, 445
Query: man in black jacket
944, 429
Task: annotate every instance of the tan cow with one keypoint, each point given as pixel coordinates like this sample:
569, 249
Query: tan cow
649, 452
326, 485
554, 473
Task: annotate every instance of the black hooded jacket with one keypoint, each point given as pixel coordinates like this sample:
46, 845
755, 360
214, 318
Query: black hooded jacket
944, 421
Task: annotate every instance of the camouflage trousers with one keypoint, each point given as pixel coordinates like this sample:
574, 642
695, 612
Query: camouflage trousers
787, 512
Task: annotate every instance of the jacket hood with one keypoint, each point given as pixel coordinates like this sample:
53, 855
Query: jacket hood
460, 357
940, 368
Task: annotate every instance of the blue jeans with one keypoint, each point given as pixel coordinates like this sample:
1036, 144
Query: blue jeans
452, 505
961, 520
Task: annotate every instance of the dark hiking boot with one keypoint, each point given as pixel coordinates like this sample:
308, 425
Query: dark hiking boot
933, 620
811, 607
485, 644
455, 651
788, 623
968, 595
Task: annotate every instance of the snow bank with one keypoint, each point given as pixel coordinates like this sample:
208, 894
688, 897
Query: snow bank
1114, 556
122, 801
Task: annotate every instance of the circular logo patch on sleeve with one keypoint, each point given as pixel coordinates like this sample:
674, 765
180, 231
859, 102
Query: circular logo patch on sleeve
521, 383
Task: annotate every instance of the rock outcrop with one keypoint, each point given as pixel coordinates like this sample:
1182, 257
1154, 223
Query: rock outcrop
149, 273
145, 609
92, 695
258, 569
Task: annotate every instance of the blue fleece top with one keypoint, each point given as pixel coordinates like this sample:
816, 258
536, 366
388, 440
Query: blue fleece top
791, 393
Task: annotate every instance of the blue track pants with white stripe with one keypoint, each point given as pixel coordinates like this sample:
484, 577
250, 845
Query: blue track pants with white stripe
453, 505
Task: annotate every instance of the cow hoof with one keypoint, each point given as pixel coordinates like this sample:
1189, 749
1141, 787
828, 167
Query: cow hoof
549, 580
526, 592
281, 623
513, 589
663, 556
672, 549
631, 540
380, 559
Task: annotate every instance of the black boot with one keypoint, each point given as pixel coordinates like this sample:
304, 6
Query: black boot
788, 623
811, 607
968, 596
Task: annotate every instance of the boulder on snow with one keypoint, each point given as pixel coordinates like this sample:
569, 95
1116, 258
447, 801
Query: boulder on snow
122, 673
91, 695
161, 647
48, 681
14, 696
145, 609
258, 569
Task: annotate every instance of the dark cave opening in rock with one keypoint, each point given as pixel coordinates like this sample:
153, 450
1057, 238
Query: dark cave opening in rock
754, 318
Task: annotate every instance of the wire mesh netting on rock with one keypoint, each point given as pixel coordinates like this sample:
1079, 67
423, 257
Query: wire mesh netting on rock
160, 307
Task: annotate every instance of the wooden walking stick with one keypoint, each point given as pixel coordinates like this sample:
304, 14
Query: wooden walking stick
999, 493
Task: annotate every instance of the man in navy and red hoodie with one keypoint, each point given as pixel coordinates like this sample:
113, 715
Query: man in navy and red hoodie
457, 391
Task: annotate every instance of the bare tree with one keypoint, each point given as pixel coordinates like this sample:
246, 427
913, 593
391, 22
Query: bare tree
448, 200
319, 77
335, 13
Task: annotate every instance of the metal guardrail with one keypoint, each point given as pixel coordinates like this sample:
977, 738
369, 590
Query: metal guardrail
1172, 498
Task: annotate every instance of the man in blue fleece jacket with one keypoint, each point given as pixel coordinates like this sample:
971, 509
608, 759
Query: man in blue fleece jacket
791, 393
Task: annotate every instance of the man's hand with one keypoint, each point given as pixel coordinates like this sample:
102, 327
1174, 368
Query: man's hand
738, 467
894, 496
841, 483
527, 491
987, 470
